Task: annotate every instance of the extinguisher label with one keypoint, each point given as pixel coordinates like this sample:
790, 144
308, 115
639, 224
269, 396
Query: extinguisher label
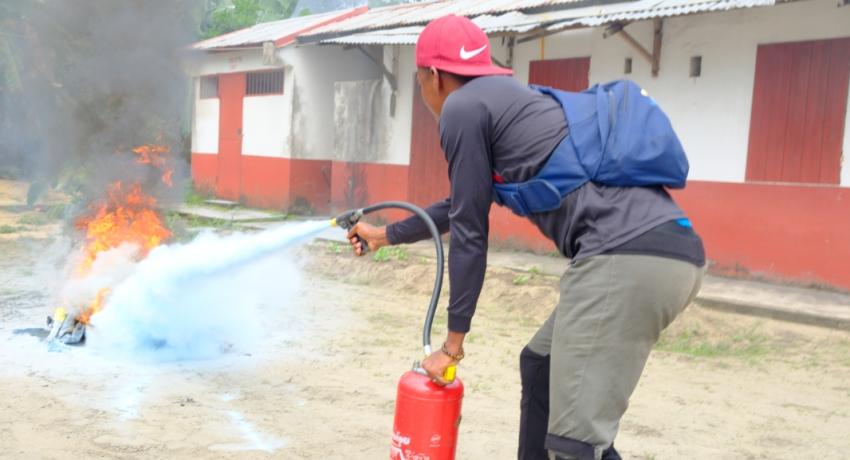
400, 450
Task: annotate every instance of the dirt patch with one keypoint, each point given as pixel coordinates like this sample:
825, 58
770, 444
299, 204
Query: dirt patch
322, 385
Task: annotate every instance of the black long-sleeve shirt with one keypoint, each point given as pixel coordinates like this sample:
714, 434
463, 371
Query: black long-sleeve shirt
496, 124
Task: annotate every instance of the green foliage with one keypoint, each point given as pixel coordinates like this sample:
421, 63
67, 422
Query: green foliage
227, 16
4, 229
388, 253
746, 343
35, 218
523, 279
195, 196
334, 247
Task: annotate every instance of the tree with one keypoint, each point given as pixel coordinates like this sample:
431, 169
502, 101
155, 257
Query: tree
226, 16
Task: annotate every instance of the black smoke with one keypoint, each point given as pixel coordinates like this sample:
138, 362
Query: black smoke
82, 82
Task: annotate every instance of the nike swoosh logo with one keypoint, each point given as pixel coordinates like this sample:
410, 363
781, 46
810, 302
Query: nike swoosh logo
467, 55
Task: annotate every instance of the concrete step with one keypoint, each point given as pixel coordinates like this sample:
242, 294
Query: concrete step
222, 203
230, 215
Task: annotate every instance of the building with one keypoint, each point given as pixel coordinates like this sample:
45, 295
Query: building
756, 89
251, 140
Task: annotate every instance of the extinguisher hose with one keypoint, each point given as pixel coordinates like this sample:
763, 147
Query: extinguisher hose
348, 219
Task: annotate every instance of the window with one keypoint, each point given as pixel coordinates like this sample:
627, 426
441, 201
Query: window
627, 66
799, 106
209, 87
696, 66
259, 83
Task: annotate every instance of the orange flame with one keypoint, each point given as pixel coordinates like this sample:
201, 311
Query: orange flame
127, 215
95, 306
154, 155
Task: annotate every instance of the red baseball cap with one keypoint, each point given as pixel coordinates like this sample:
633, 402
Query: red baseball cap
455, 44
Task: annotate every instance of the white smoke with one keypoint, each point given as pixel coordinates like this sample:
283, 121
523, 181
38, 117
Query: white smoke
196, 300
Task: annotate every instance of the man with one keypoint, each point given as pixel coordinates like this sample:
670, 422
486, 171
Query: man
636, 262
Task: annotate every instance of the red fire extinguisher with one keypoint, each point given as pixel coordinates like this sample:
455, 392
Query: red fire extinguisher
426, 418
427, 415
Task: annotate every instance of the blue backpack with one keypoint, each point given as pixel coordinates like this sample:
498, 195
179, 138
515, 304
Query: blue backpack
618, 136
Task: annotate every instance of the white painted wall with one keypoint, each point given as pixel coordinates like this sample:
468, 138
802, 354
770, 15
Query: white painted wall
314, 69
299, 123
205, 124
225, 62
401, 123
265, 125
711, 113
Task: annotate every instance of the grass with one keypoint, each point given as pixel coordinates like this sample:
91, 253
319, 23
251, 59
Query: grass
6, 229
389, 253
523, 278
334, 247
37, 219
197, 221
746, 343
196, 196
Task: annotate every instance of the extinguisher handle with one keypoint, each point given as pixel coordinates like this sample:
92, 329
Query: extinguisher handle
449, 374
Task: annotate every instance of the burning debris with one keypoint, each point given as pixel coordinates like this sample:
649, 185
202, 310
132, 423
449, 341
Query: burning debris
127, 216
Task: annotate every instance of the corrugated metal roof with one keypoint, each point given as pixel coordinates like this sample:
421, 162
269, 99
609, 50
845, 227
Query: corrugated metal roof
648, 9
516, 22
420, 13
399, 36
272, 31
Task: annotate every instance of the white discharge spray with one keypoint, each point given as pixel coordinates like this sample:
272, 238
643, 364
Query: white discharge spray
196, 300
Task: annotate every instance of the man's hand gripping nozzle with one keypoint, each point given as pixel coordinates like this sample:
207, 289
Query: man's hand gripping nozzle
347, 221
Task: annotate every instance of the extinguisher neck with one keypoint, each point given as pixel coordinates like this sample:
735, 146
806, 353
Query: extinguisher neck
417, 367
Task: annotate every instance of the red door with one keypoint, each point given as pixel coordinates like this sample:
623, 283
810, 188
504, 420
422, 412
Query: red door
799, 106
231, 93
566, 74
428, 176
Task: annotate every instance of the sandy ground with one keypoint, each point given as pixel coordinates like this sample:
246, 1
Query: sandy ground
322, 384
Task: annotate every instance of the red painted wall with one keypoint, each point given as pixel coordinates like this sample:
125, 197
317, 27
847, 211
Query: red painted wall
265, 182
509, 230
310, 186
204, 171
358, 184
786, 232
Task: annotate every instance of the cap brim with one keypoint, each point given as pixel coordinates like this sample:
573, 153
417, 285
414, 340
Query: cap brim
475, 70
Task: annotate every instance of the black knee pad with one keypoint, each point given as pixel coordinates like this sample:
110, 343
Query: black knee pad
611, 454
534, 405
